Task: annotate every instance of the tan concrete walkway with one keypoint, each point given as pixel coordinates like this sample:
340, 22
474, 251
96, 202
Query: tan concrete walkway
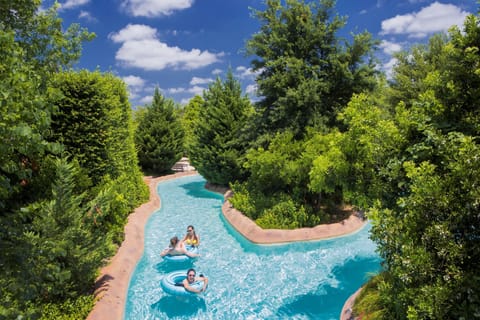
112, 284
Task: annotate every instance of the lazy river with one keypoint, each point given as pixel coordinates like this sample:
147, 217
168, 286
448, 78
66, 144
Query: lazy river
303, 280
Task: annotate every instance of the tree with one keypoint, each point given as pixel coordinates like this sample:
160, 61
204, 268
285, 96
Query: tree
189, 119
306, 75
57, 254
361, 163
159, 136
425, 221
217, 150
34, 46
93, 122
94, 125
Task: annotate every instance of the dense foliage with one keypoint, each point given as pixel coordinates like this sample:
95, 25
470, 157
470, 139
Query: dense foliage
94, 125
33, 47
216, 150
159, 136
65, 192
423, 154
58, 252
307, 75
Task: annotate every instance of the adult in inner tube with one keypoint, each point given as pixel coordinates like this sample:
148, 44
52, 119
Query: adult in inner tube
177, 248
191, 279
191, 238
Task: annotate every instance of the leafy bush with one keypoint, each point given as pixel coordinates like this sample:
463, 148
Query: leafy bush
275, 211
283, 215
70, 309
242, 200
369, 303
115, 200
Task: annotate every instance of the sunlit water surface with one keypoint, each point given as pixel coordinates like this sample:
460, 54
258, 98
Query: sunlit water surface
309, 280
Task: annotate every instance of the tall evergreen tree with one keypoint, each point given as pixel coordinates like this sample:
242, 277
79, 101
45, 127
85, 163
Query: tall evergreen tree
93, 122
189, 118
57, 254
159, 136
306, 74
217, 151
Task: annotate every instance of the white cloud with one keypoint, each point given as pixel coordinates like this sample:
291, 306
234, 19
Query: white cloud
244, 72
216, 71
87, 16
146, 99
388, 67
251, 89
185, 101
135, 86
142, 49
390, 47
133, 32
155, 8
176, 90
71, 4
434, 18
197, 80
134, 81
196, 90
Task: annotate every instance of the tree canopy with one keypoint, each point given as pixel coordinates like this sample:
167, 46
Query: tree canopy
306, 72
64, 193
307, 75
217, 150
420, 145
159, 136
34, 46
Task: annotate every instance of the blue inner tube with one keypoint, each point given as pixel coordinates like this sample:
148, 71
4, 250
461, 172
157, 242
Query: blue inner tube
168, 284
182, 257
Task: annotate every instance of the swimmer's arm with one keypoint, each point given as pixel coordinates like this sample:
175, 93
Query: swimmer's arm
188, 287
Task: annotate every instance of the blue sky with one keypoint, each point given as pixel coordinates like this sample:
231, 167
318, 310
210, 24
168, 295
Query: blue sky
180, 46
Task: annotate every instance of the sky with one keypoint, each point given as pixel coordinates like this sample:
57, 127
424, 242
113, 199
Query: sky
182, 46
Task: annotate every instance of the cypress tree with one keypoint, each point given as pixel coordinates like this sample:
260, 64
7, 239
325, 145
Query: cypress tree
159, 136
217, 150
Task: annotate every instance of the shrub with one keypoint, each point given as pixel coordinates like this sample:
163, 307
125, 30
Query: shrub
283, 215
68, 310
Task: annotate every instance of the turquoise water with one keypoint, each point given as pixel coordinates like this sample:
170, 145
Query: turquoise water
309, 280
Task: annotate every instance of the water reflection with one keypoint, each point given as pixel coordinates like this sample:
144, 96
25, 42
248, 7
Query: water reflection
175, 306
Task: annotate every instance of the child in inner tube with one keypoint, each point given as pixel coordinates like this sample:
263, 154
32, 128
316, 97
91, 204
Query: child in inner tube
177, 248
191, 279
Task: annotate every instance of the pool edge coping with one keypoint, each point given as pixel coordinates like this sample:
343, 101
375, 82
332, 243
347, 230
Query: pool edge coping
251, 231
